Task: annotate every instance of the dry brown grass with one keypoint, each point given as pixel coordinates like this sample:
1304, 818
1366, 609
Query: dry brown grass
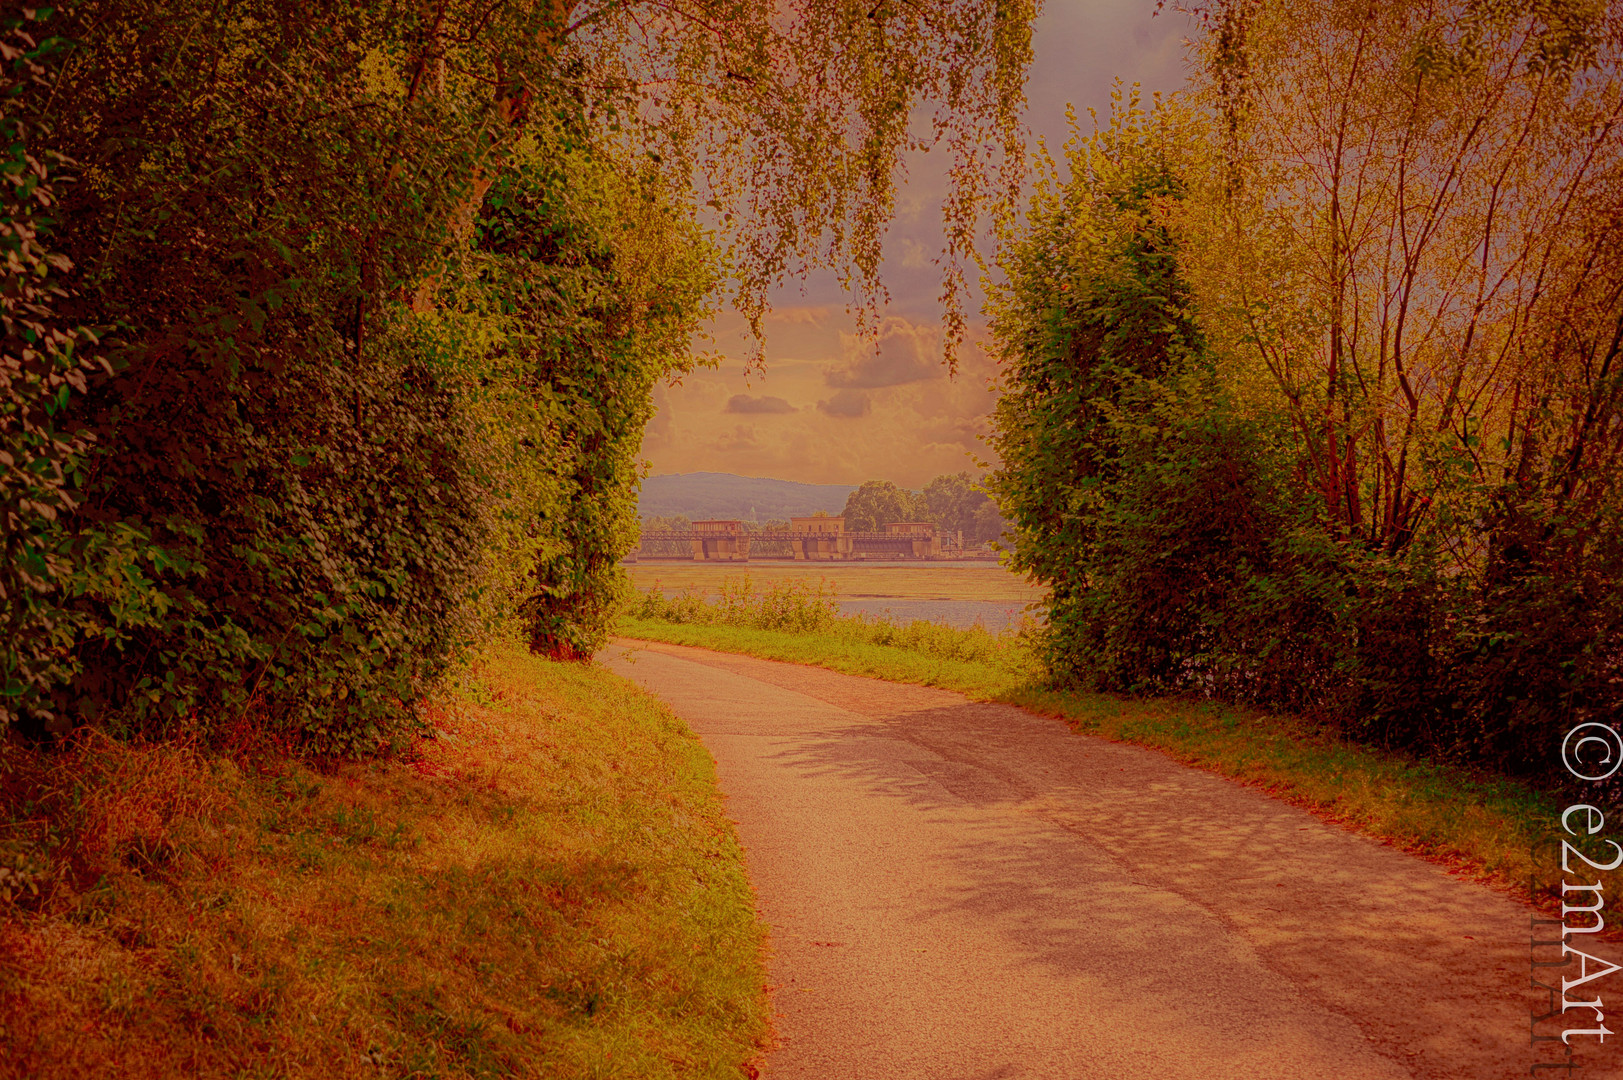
548, 888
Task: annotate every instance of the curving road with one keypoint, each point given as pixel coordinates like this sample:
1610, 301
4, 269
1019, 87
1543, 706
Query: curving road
965, 891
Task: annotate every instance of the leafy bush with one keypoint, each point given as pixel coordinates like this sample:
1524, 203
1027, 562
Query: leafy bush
1168, 503
1090, 321
46, 359
355, 415
599, 294
391, 286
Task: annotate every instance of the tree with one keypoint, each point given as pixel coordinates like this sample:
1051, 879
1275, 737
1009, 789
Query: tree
956, 504
1093, 315
950, 501
877, 502
1422, 200
1414, 256
1306, 409
392, 284
987, 525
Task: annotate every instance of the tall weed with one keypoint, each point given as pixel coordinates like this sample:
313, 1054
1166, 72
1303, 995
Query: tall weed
785, 605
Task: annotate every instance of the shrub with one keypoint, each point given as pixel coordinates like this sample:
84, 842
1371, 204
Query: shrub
354, 416
1170, 505
46, 360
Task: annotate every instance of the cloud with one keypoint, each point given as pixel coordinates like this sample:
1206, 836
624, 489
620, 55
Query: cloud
846, 403
744, 403
914, 255
892, 415
904, 352
741, 440
661, 431
906, 433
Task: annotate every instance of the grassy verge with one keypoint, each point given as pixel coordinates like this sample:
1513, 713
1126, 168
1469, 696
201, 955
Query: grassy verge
549, 888
1481, 825
855, 653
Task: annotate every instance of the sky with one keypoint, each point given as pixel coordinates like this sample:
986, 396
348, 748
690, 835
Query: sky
833, 408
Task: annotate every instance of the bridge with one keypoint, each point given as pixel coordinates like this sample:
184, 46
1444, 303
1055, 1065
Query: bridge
811, 540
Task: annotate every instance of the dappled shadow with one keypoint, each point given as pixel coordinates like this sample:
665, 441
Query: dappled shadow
1158, 885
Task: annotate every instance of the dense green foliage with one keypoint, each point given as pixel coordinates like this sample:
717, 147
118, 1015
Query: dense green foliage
46, 356
296, 486
875, 502
952, 501
959, 505
375, 296
1091, 325
1238, 482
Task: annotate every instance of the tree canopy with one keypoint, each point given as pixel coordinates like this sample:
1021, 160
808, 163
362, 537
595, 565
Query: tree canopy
951, 501
1312, 390
331, 332
957, 504
876, 502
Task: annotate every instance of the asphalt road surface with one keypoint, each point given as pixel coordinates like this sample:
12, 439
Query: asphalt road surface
965, 891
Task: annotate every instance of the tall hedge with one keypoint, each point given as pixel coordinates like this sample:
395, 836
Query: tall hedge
1166, 495
47, 356
375, 294
305, 479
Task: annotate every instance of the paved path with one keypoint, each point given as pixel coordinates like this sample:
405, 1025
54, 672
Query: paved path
967, 892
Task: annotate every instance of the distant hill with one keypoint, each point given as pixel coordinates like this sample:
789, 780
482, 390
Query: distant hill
723, 495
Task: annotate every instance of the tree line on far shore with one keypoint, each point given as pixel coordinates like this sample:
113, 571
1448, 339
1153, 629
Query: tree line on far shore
953, 502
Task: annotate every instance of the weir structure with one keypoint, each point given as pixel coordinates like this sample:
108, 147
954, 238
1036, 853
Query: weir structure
809, 539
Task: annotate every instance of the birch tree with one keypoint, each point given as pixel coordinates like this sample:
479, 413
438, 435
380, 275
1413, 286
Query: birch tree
1419, 204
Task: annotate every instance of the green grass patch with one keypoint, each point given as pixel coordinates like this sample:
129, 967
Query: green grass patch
547, 888
800, 621
1482, 825
852, 653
